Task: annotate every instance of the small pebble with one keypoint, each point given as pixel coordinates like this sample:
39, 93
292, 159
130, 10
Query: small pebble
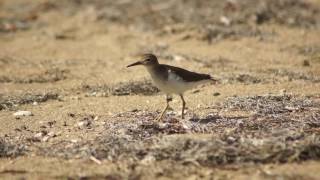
231, 139
178, 58
216, 94
51, 134
195, 91
74, 140
134, 110
162, 125
186, 126
306, 63
224, 20
283, 91
171, 113
147, 160
82, 124
45, 139
38, 135
22, 113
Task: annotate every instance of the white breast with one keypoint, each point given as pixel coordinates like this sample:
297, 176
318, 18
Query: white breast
174, 84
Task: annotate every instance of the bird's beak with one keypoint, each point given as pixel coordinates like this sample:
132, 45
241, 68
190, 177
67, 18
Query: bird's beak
135, 64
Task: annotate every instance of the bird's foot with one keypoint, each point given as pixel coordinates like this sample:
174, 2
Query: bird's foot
159, 118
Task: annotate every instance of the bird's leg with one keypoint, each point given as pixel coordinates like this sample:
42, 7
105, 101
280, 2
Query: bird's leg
168, 98
183, 106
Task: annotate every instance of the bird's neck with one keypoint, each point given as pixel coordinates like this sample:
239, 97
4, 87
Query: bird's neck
152, 70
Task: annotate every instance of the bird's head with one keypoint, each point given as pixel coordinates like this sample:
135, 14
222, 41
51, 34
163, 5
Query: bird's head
147, 60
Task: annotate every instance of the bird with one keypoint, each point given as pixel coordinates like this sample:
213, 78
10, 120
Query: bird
171, 79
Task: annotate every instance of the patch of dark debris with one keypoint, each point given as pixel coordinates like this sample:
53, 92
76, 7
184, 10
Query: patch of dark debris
244, 78
5, 79
51, 75
48, 76
134, 87
214, 19
309, 50
214, 33
288, 12
290, 75
268, 76
143, 87
278, 134
270, 104
11, 149
10, 102
210, 150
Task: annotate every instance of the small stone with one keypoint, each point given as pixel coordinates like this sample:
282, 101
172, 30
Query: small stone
195, 91
148, 160
74, 140
216, 94
231, 139
178, 58
289, 108
71, 114
162, 125
35, 103
240, 123
172, 113
186, 126
82, 124
134, 110
45, 139
224, 20
306, 63
22, 113
38, 136
283, 91
51, 134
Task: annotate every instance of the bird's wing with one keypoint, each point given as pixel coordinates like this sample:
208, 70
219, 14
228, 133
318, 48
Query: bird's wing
188, 76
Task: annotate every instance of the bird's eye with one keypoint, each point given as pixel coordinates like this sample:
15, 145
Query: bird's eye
147, 59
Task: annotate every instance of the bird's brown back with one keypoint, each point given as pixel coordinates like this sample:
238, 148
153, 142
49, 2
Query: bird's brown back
187, 76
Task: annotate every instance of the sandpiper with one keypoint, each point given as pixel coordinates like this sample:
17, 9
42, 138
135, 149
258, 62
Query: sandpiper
171, 80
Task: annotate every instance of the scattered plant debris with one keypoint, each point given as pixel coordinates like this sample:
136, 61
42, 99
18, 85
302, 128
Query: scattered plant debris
11, 149
289, 75
270, 104
281, 132
9, 102
144, 87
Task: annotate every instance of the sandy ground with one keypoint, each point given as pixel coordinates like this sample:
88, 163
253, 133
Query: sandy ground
67, 65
